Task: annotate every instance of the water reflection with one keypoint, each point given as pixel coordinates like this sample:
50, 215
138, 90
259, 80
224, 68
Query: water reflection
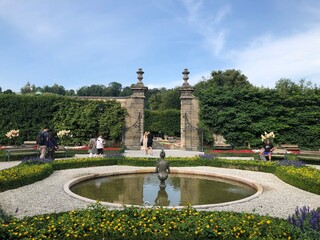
136, 189
162, 198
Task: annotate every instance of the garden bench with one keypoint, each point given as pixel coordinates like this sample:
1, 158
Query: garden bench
277, 153
309, 155
29, 144
22, 151
62, 149
223, 146
290, 147
29, 151
304, 152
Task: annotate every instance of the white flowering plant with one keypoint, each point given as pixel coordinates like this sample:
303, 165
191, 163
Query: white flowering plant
12, 134
267, 136
63, 135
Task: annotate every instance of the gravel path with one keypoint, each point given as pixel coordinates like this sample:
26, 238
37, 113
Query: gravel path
278, 198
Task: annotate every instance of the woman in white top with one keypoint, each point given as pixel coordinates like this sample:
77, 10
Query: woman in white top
100, 144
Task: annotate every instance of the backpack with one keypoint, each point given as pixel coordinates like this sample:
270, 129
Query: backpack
40, 138
91, 143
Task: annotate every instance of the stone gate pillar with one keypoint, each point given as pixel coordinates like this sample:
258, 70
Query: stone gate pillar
135, 118
189, 116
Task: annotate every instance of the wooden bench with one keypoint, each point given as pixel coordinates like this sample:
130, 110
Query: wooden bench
22, 151
29, 144
224, 146
290, 147
277, 153
306, 155
33, 151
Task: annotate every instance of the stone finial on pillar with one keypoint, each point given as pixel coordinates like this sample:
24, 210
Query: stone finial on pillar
185, 77
140, 77
139, 88
186, 89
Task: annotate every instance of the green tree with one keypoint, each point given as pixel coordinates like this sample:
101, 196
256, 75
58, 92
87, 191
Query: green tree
28, 88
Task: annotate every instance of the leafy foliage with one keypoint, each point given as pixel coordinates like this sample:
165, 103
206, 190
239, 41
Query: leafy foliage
166, 121
98, 222
30, 113
230, 106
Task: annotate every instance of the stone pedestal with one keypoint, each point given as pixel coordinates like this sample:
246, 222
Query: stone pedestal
135, 118
189, 116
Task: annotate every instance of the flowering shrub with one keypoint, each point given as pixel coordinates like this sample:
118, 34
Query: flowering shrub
23, 174
113, 154
12, 134
267, 136
206, 156
291, 163
63, 133
306, 219
98, 222
36, 160
306, 178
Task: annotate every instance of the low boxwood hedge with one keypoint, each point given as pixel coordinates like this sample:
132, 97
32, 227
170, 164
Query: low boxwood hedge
305, 178
23, 174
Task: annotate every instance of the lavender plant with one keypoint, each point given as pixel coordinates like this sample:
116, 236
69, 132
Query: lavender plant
206, 156
36, 160
306, 219
113, 154
291, 163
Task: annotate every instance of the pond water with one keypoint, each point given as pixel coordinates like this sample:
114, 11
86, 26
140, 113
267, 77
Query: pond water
181, 189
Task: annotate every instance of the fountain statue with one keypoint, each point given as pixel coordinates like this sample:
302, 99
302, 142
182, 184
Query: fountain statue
162, 169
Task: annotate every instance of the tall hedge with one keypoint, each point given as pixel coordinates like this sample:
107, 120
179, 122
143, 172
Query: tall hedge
27, 113
242, 114
30, 113
166, 122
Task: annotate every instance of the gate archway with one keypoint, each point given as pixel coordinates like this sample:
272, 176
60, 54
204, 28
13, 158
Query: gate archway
191, 136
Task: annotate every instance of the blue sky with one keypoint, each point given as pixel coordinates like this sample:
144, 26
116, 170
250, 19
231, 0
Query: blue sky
77, 43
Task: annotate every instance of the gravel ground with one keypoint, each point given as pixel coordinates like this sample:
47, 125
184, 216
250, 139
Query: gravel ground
278, 198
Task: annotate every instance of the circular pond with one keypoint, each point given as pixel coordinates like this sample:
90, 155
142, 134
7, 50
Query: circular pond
143, 189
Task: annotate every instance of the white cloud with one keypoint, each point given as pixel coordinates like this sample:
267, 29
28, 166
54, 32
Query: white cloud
268, 59
31, 19
207, 25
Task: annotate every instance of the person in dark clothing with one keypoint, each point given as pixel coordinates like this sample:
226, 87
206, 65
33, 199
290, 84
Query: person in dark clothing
267, 149
150, 142
52, 145
44, 142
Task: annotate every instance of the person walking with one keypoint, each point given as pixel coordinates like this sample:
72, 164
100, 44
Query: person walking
92, 146
52, 145
100, 143
150, 142
42, 142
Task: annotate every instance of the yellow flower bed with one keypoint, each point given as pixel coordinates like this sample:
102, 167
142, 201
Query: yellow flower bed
98, 222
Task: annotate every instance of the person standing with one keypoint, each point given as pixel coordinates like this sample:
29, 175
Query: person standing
150, 142
92, 146
100, 143
42, 142
144, 143
52, 145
